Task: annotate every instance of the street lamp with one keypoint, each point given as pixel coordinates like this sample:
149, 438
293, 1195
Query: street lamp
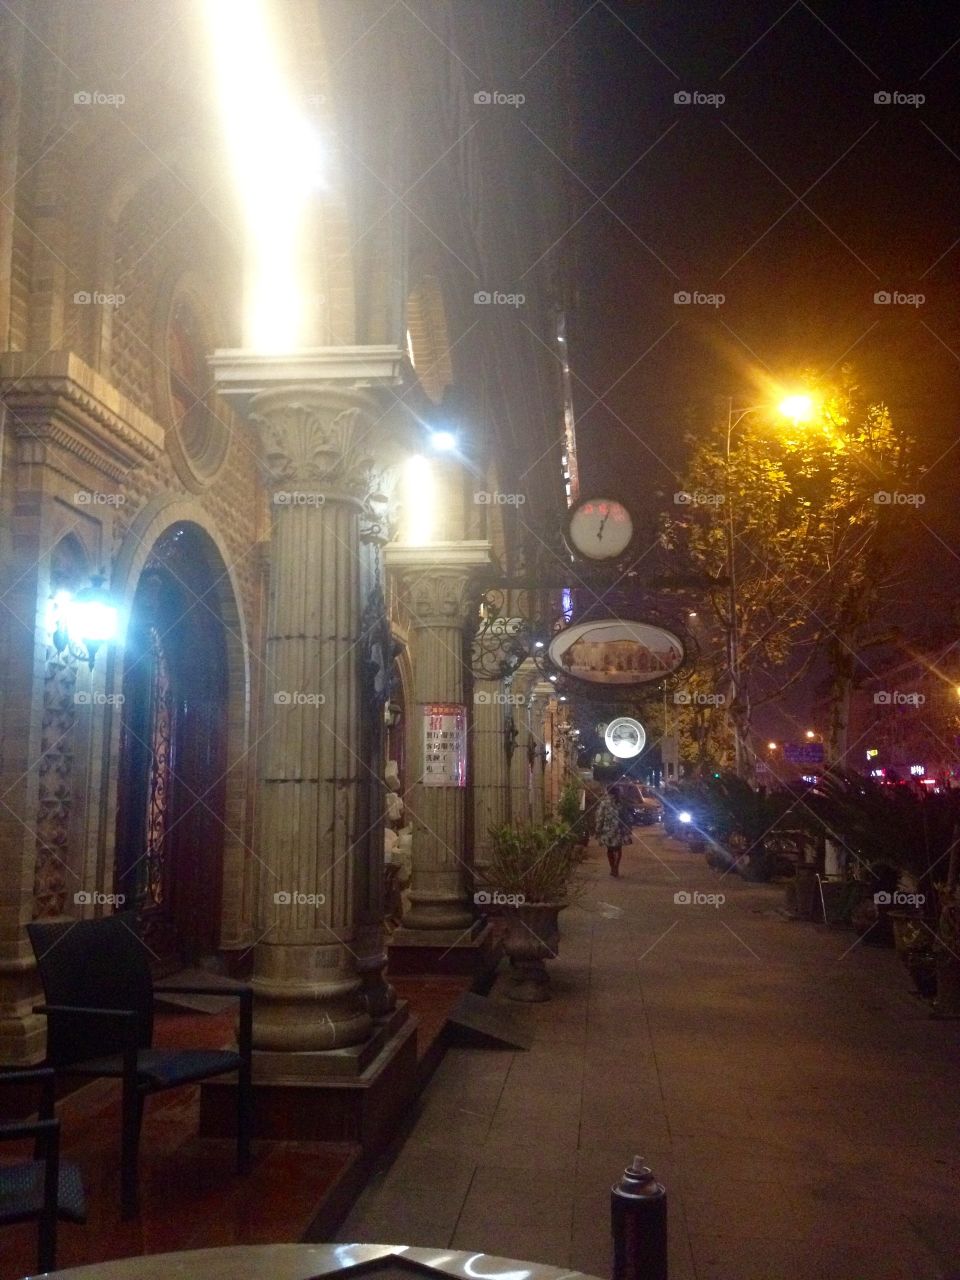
794, 408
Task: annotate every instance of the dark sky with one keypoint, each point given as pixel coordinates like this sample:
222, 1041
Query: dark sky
713, 207
798, 199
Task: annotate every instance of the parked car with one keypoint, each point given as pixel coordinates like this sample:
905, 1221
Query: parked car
645, 808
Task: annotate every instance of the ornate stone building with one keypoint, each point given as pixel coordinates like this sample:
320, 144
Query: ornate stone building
250, 473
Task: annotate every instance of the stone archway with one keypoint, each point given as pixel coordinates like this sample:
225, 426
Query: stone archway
168, 861
215, 908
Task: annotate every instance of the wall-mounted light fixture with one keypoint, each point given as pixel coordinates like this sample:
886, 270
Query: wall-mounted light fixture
84, 620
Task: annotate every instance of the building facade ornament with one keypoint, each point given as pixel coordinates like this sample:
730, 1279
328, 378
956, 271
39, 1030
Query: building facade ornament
316, 438
61, 411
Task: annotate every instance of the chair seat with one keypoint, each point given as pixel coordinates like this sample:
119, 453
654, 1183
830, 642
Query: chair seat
164, 1068
21, 1192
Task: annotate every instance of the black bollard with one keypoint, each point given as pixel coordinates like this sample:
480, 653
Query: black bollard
638, 1217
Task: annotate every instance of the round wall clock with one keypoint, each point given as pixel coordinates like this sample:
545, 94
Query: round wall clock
600, 529
625, 737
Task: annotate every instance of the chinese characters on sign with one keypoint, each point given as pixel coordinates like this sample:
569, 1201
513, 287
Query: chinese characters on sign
444, 745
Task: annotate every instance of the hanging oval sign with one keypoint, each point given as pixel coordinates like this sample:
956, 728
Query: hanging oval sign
614, 651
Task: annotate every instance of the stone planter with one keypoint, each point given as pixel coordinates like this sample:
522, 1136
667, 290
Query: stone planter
531, 935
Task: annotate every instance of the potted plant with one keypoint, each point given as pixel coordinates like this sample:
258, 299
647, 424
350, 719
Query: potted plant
528, 878
574, 809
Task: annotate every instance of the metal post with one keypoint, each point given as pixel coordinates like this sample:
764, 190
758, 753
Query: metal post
638, 1219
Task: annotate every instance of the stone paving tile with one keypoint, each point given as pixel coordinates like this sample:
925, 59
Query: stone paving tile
798, 1104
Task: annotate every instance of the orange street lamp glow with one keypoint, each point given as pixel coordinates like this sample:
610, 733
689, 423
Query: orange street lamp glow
798, 408
811, 734
772, 746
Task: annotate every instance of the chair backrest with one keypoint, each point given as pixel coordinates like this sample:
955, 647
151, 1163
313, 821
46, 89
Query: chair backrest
99, 964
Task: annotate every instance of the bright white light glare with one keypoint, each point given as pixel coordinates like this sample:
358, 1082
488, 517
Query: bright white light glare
94, 620
277, 161
685, 817
443, 441
419, 500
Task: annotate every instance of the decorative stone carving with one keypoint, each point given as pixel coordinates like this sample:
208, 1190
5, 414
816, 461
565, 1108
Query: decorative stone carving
436, 598
55, 772
61, 410
314, 439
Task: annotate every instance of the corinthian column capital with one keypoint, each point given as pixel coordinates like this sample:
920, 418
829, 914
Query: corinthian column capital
317, 438
435, 582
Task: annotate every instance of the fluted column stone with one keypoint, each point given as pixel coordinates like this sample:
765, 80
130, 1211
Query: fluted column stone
434, 593
306, 980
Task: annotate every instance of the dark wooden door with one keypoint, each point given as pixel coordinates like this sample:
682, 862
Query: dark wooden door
169, 851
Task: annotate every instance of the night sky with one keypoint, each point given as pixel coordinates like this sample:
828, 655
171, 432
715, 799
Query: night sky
797, 199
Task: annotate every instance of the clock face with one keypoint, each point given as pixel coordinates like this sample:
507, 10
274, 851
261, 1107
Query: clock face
600, 529
625, 737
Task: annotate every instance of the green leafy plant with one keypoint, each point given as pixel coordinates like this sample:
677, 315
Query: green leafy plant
535, 862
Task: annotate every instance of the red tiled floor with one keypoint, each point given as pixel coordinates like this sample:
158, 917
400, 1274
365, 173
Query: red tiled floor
190, 1194
431, 1000
191, 1198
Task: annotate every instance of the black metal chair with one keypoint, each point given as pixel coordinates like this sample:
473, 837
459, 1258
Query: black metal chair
99, 1010
40, 1188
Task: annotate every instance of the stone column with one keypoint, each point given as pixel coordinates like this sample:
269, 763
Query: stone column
433, 592
306, 979
492, 705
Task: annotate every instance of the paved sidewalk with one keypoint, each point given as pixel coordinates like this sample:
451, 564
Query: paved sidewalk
796, 1100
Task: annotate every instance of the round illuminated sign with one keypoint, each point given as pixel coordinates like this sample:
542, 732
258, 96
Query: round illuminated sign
625, 737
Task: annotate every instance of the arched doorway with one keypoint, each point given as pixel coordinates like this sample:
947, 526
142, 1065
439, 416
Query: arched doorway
169, 847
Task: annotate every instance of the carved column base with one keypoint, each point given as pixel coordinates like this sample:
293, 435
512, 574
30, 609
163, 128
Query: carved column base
303, 1001
436, 909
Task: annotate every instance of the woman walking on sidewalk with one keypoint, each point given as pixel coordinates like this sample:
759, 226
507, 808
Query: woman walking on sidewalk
613, 827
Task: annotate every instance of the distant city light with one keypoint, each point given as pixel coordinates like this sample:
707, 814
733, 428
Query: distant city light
918, 770
684, 816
